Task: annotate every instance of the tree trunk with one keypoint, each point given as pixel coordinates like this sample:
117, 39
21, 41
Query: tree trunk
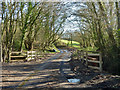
21, 43
118, 20
1, 60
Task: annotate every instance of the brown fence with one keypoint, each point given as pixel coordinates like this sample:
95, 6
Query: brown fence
31, 55
18, 56
90, 58
24, 56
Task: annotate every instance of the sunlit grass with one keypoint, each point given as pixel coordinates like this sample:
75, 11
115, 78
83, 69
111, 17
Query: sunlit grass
76, 44
73, 42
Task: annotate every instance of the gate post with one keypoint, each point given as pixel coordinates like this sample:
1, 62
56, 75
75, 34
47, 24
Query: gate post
86, 58
100, 59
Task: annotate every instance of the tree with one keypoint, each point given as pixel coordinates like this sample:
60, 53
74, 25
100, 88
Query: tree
118, 20
22, 23
99, 22
9, 27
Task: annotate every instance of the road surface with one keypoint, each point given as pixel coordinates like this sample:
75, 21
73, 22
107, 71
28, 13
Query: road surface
54, 73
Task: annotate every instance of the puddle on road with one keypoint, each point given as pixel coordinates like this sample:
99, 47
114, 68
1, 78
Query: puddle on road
62, 51
65, 51
74, 80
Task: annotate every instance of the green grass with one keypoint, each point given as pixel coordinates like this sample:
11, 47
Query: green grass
76, 44
73, 42
90, 49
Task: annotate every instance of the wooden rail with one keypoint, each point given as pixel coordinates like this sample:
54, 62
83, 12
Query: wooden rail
17, 56
31, 55
27, 56
90, 58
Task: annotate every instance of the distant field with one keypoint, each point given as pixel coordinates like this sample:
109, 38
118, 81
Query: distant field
74, 43
77, 45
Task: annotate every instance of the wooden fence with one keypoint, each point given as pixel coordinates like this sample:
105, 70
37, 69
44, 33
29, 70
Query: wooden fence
90, 58
31, 55
24, 56
17, 56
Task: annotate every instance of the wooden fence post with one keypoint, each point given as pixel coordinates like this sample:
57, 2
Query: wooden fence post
82, 55
27, 55
78, 56
86, 58
10, 56
100, 59
31, 55
35, 55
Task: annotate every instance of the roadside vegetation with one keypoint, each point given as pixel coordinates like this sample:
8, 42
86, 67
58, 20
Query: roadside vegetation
39, 26
30, 26
99, 28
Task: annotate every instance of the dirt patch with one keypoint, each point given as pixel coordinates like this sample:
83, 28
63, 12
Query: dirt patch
14, 73
50, 76
93, 78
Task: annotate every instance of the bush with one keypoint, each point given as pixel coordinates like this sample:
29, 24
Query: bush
112, 65
16, 45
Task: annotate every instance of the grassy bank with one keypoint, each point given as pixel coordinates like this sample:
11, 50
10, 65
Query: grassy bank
76, 44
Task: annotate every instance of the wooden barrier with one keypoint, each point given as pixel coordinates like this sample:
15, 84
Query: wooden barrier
27, 56
17, 56
87, 57
94, 60
31, 55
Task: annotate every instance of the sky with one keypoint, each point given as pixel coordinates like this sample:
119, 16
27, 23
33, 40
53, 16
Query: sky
71, 24
59, 0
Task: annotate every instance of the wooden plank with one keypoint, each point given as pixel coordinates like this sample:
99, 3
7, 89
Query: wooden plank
94, 67
17, 56
30, 59
17, 59
91, 58
31, 51
16, 52
93, 61
31, 55
93, 54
